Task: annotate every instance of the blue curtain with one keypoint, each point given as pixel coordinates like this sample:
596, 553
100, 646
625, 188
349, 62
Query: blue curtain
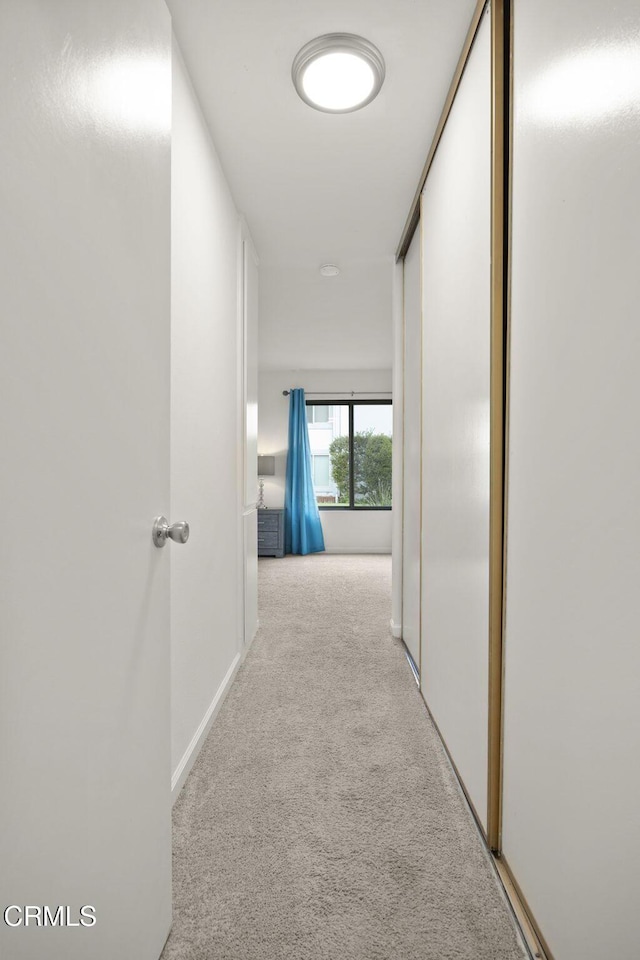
302, 527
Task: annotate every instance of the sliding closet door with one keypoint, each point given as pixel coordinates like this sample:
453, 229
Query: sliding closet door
456, 208
571, 831
411, 475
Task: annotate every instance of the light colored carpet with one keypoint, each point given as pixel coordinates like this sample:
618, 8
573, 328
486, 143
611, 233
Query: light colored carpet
321, 820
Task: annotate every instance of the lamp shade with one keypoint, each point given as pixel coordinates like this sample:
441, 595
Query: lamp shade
266, 466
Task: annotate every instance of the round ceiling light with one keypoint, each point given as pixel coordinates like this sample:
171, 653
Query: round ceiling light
338, 72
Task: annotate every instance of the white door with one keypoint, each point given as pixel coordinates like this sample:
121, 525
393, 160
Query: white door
84, 388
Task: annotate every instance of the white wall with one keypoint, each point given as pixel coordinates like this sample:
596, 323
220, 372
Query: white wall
346, 532
248, 465
572, 681
205, 622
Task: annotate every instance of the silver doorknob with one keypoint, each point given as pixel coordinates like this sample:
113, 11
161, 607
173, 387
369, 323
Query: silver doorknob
178, 532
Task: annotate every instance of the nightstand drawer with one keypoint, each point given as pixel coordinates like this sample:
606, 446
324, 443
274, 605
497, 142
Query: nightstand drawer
268, 521
268, 538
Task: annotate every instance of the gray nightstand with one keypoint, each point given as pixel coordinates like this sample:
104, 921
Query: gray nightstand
271, 533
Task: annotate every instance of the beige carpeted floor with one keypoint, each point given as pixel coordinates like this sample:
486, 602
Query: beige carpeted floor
321, 820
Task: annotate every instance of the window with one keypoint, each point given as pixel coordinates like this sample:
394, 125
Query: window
351, 447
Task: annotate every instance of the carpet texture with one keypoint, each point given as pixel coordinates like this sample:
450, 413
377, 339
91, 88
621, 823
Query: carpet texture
321, 820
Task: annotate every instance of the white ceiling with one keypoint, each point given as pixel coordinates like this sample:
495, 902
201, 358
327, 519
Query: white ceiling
317, 187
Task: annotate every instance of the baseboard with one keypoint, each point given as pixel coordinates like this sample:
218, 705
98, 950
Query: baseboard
189, 757
396, 630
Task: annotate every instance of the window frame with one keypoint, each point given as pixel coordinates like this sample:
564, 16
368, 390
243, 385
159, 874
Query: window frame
350, 403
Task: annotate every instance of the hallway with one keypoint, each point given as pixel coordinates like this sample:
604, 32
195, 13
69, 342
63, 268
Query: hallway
321, 819
203, 214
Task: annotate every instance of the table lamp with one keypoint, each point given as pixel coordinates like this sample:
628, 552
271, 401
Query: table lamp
266, 468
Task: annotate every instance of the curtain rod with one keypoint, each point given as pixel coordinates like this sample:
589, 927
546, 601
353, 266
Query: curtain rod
343, 393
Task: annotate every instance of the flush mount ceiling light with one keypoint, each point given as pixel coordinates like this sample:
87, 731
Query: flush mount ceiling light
329, 270
338, 72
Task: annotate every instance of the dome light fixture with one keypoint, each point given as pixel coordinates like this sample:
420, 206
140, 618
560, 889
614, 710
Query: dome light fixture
338, 72
329, 270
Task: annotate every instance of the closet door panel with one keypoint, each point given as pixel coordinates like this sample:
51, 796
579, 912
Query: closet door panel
456, 237
411, 476
571, 830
